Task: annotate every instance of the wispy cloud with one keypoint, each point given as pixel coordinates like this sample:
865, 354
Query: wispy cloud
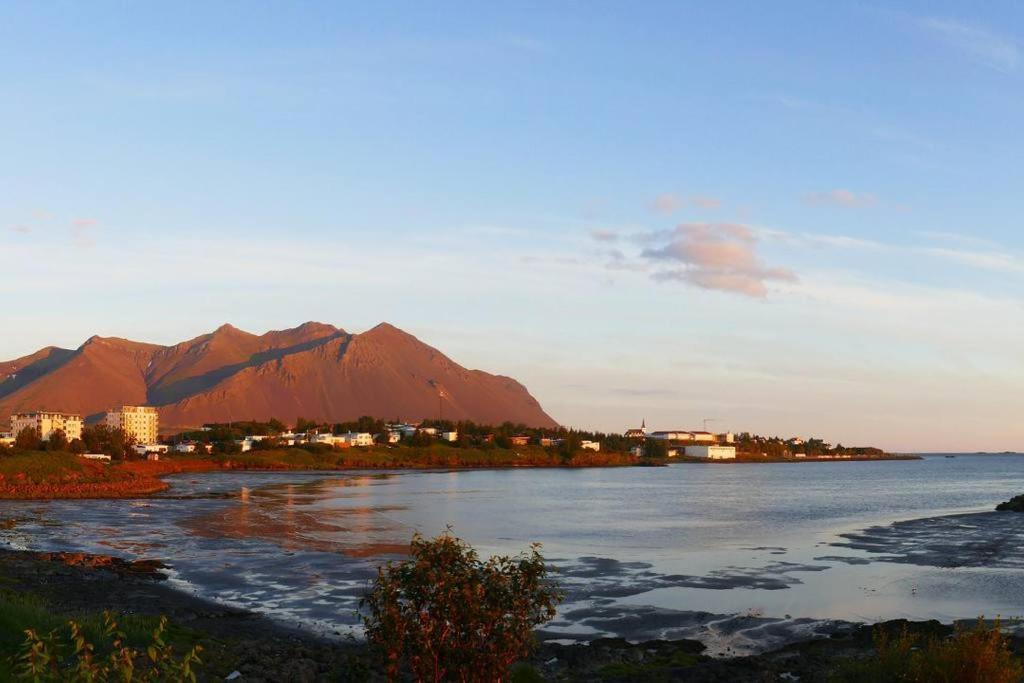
841, 197
82, 231
670, 202
985, 47
719, 256
604, 235
667, 202
21, 229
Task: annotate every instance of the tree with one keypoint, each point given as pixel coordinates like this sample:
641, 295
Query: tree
58, 441
29, 439
451, 616
655, 448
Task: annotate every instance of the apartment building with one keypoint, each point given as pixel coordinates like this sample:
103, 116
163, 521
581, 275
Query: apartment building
140, 422
47, 423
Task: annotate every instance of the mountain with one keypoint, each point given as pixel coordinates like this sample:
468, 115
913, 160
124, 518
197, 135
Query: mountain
316, 371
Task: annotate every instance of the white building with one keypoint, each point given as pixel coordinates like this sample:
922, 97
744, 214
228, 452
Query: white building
672, 435
355, 439
147, 448
46, 423
590, 445
391, 436
712, 452
704, 437
6, 439
96, 456
449, 436
141, 423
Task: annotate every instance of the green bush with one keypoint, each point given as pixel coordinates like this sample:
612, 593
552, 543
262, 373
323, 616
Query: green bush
448, 615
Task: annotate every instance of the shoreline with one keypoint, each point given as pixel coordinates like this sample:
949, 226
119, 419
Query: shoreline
140, 479
260, 648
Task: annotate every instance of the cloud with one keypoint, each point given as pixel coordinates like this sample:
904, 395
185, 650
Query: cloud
719, 256
985, 47
670, 202
705, 202
21, 229
42, 215
985, 260
841, 197
81, 231
604, 235
667, 202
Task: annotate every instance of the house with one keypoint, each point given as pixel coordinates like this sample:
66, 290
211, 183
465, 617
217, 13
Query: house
430, 431
354, 439
6, 439
46, 423
185, 447
590, 445
102, 457
637, 451
548, 441
727, 437
519, 440
712, 452
449, 436
391, 436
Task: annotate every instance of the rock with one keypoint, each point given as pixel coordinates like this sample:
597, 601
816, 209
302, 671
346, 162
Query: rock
1015, 504
300, 671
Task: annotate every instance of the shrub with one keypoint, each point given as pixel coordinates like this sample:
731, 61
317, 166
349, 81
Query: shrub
971, 655
67, 656
449, 616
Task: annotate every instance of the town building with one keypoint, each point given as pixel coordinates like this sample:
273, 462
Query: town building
6, 439
712, 452
141, 423
672, 435
46, 423
355, 439
590, 445
637, 433
519, 440
148, 448
449, 436
703, 437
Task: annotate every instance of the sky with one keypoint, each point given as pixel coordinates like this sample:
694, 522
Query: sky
796, 219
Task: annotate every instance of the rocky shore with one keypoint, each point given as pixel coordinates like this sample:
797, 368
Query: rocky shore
241, 645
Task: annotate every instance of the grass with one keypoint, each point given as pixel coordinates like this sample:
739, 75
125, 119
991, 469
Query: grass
40, 467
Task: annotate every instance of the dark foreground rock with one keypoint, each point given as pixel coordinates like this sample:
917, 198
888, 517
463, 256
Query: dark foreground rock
1015, 504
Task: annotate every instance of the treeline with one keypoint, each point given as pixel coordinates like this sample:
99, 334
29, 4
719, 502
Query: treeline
777, 447
99, 438
222, 437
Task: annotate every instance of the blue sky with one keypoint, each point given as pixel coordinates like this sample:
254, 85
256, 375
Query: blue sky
795, 220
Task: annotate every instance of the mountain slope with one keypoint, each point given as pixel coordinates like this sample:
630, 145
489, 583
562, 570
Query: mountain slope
315, 371
101, 373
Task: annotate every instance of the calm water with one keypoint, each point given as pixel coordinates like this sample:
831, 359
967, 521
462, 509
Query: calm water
644, 552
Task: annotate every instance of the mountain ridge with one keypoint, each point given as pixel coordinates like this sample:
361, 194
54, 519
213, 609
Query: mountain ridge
315, 370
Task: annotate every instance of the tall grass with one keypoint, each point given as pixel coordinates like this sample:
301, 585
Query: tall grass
980, 654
